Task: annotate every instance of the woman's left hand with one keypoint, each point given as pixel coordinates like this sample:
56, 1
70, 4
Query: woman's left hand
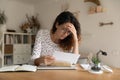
72, 29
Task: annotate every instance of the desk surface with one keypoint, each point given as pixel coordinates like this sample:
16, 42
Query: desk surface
79, 74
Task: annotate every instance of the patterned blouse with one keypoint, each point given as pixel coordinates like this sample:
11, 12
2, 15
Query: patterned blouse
44, 45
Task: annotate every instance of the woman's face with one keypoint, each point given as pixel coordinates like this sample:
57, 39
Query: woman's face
62, 30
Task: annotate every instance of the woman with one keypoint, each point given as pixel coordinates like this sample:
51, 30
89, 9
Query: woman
64, 36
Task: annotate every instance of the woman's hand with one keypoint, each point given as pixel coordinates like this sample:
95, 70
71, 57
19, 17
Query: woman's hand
72, 29
49, 60
44, 60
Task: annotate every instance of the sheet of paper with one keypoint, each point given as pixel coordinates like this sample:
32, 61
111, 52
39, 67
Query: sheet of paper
67, 57
85, 66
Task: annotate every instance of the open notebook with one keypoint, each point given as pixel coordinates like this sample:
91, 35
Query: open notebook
63, 61
18, 68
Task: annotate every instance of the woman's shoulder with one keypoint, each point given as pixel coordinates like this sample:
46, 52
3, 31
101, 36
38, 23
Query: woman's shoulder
43, 31
43, 34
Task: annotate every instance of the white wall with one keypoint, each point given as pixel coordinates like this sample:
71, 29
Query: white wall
94, 37
15, 12
47, 12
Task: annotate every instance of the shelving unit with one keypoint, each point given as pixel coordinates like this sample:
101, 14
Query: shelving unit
16, 48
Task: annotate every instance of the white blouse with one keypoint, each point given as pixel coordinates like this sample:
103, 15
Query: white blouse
44, 45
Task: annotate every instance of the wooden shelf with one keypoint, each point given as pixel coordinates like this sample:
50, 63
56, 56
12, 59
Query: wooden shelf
97, 2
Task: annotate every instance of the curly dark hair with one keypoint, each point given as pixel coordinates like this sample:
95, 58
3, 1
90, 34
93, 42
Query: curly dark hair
64, 17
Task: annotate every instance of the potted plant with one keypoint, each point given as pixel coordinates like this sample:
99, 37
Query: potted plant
32, 24
96, 61
2, 21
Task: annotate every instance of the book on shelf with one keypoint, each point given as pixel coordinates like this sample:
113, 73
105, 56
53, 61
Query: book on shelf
25, 39
18, 37
8, 59
13, 68
8, 39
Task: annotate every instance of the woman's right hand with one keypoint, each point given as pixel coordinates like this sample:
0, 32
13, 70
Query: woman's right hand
44, 60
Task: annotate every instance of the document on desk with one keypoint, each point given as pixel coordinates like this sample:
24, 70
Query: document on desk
62, 61
66, 57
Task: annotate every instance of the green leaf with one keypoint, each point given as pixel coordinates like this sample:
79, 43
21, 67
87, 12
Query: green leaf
95, 60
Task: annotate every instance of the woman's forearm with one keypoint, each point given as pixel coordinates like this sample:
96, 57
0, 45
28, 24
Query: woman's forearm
75, 47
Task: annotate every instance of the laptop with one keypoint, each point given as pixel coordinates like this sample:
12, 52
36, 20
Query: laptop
56, 68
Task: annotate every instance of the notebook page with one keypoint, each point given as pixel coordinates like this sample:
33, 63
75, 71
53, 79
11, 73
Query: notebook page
8, 68
26, 68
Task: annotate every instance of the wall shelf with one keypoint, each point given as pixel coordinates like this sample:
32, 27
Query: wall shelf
97, 2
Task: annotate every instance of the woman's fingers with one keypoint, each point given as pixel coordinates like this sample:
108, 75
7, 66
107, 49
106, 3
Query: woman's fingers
49, 60
71, 28
49, 57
